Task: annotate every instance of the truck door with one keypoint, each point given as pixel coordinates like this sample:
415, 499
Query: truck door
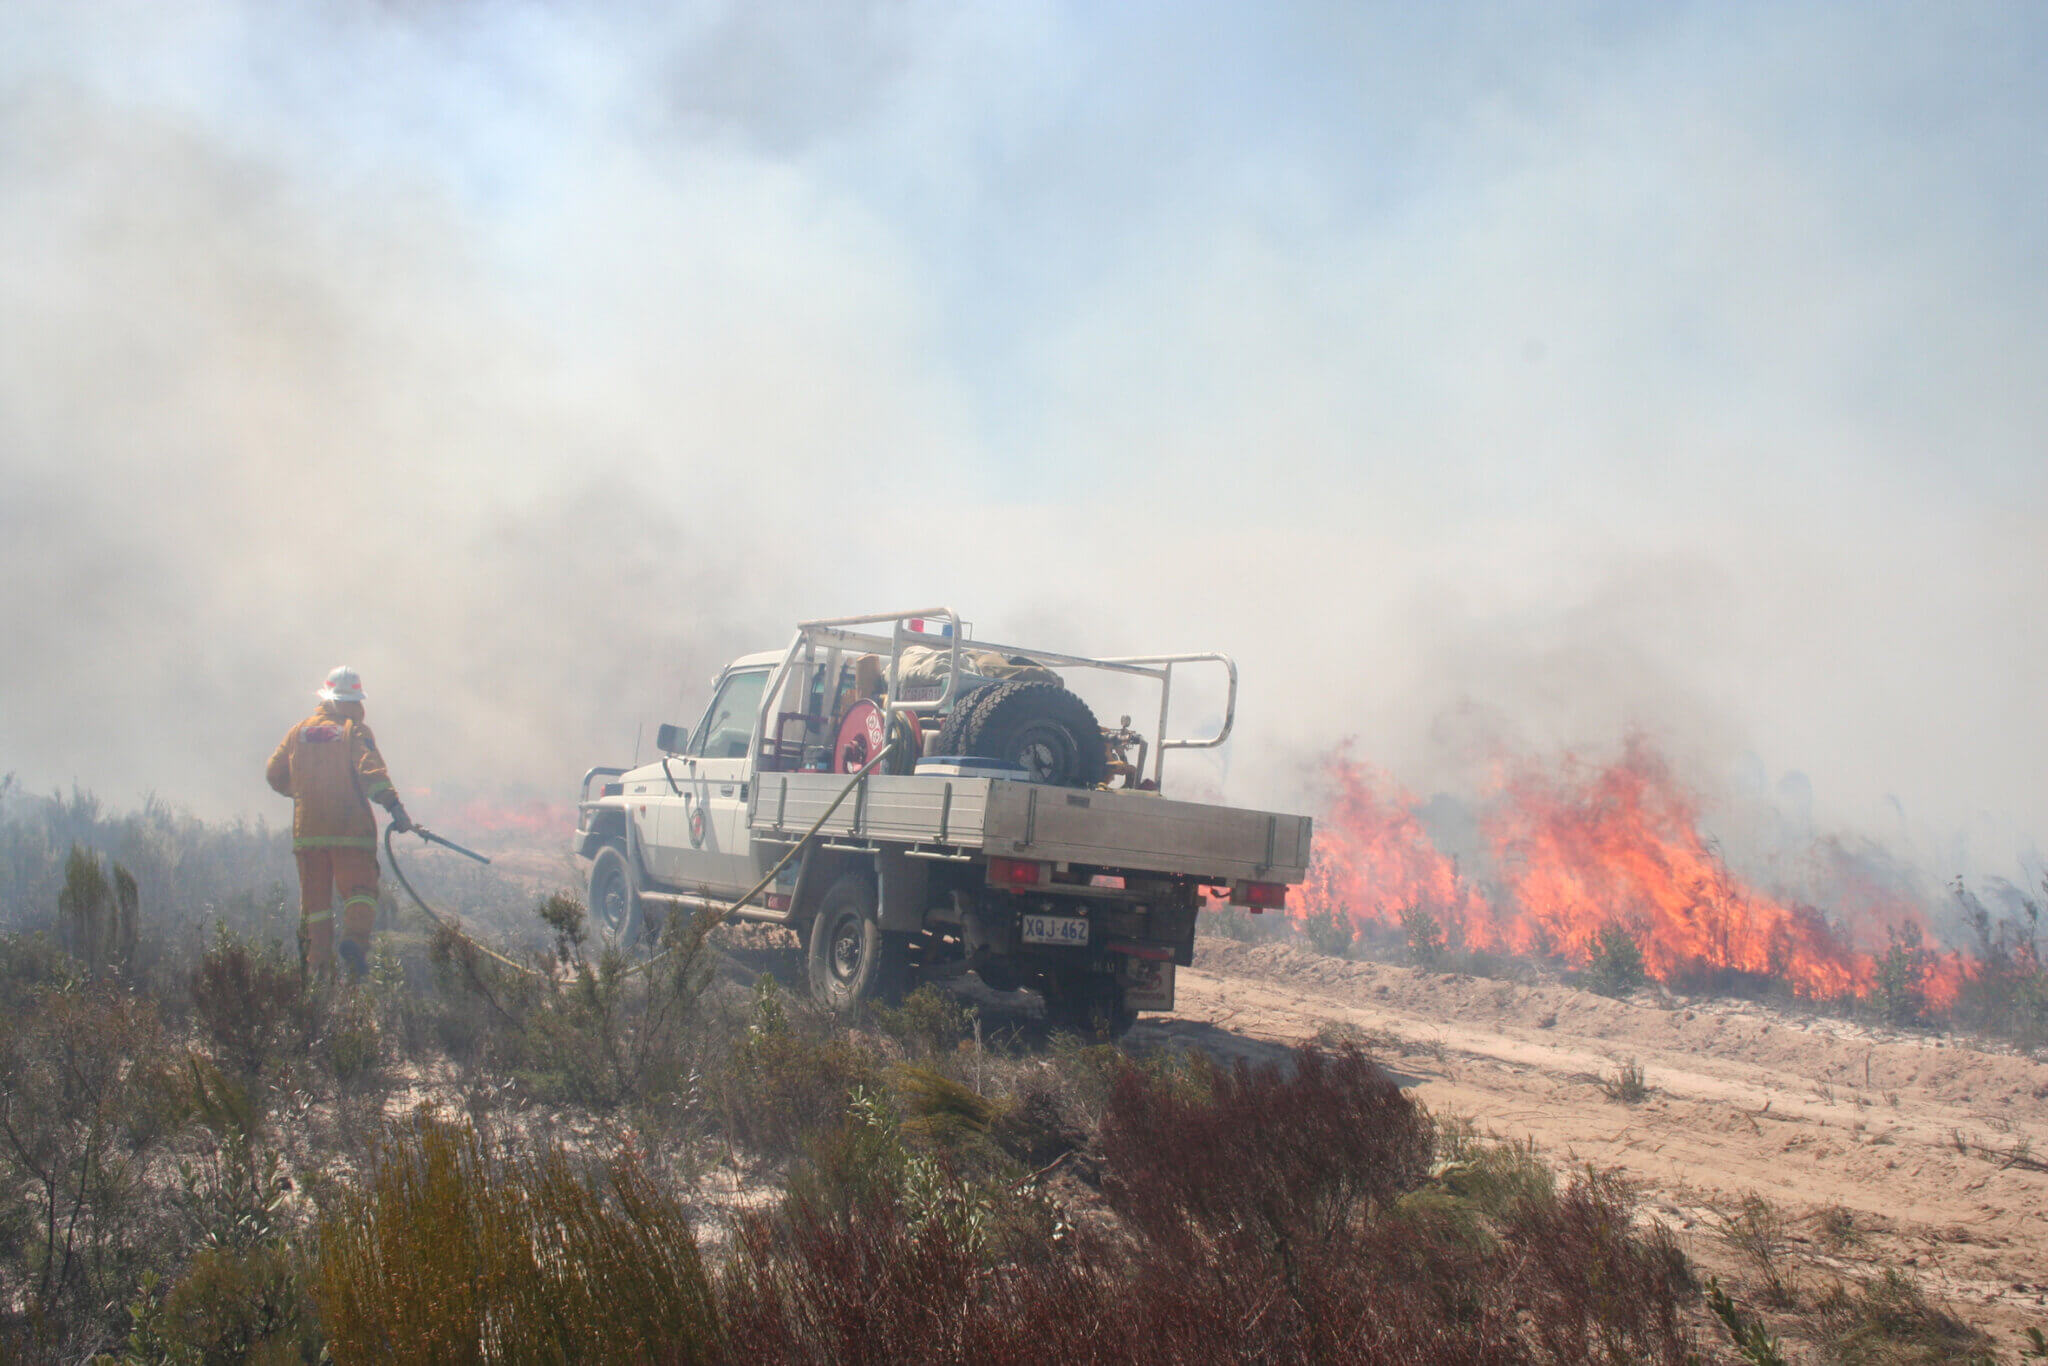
711, 844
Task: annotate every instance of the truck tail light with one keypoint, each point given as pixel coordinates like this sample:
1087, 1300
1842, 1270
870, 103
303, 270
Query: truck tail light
1015, 872
1260, 896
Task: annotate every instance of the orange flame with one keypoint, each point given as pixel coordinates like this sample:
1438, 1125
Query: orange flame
1373, 861
1621, 846
509, 822
1577, 850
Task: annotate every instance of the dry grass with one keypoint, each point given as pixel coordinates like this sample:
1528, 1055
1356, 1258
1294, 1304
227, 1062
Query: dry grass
1626, 1085
450, 1252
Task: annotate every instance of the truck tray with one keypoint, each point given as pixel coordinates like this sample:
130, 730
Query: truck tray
1136, 830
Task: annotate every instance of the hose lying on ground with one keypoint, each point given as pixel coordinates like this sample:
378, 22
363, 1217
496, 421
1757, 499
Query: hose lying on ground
707, 922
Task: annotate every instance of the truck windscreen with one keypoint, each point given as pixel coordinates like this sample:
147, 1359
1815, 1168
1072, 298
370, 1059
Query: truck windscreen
729, 725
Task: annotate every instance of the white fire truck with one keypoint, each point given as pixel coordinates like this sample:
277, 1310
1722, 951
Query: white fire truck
998, 828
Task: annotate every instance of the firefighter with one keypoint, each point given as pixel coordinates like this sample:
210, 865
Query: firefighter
329, 766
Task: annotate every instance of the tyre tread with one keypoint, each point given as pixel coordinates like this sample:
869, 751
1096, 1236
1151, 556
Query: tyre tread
1011, 705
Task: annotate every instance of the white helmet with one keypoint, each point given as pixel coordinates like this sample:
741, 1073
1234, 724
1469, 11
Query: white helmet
343, 685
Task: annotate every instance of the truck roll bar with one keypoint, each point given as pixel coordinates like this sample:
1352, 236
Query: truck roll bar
845, 633
1166, 700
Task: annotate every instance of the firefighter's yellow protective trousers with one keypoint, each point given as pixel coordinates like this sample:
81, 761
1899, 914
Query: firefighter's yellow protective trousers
324, 874
329, 766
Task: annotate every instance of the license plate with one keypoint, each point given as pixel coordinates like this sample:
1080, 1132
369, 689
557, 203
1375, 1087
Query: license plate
1056, 929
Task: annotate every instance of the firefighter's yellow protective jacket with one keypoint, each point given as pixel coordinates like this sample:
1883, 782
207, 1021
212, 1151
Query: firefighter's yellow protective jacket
329, 766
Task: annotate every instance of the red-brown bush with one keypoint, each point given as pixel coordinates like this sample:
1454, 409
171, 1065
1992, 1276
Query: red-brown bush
1293, 1156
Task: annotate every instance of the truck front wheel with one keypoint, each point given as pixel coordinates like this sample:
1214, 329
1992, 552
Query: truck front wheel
614, 897
852, 960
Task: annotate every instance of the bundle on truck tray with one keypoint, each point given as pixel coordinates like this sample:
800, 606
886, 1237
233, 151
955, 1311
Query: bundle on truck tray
1005, 832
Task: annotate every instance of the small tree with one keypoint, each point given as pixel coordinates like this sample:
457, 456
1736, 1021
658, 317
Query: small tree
1330, 932
1425, 935
1899, 975
1617, 965
99, 917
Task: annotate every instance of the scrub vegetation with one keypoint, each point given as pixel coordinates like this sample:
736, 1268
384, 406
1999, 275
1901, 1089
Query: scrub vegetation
677, 1159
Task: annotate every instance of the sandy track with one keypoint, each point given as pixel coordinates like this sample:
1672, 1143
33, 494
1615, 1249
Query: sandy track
1806, 1111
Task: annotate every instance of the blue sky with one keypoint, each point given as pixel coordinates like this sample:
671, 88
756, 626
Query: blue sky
1577, 367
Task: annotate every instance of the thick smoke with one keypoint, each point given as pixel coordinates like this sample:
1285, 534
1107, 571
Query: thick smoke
1487, 383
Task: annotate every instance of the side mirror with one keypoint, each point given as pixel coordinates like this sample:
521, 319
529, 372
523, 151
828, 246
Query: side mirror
671, 739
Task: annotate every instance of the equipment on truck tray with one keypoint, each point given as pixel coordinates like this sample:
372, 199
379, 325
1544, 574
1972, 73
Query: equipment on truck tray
1042, 726
861, 733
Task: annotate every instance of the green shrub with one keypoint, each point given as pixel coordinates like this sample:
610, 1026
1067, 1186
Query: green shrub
1079, 1078
1330, 933
786, 1079
1757, 1230
350, 1043
930, 1020
229, 1307
1425, 936
99, 915
1616, 967
942, 1112
610, 1032
1627, 1085
232, 1197
1754, 1342
566, 919
1495, 1177
1889, 1320
1898, 994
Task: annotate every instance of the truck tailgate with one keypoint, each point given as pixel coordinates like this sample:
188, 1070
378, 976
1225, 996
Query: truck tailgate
1133, 830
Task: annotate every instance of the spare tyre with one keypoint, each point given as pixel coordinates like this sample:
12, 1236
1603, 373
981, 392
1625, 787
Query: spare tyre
1041, 726
949, 741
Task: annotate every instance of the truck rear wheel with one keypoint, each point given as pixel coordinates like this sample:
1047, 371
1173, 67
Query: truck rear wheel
1041, 726
614, 897
851, 959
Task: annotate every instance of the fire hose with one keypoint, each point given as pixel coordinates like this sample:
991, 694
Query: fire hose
713, 919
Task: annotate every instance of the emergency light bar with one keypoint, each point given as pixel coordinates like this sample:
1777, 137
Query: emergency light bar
922, 626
